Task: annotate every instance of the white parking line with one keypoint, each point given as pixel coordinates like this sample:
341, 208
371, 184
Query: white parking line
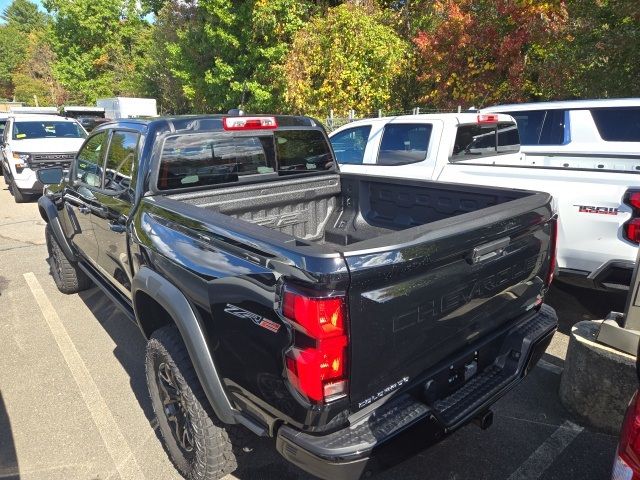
538, 462
114, 441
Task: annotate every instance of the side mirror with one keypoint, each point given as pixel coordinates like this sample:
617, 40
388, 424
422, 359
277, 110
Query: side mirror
50, 176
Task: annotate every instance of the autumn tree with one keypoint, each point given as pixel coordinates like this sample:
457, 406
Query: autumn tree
344, 59
479, 52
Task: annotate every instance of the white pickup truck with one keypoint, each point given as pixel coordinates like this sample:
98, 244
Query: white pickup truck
34, 141
599, 209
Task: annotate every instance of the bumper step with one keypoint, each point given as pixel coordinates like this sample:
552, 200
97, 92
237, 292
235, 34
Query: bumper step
493, 380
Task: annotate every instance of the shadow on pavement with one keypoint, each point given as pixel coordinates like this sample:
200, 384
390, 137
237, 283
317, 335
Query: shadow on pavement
574, 304
8, 459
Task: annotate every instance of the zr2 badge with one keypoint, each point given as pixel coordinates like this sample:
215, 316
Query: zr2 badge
254, 317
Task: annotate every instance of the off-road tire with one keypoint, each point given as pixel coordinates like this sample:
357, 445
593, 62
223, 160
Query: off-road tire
66, 274
18, 196
216, 445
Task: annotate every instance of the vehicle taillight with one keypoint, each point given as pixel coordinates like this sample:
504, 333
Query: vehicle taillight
318, 317
249, 123
632, 227
627, 462
487, 118
316, 364
553, 249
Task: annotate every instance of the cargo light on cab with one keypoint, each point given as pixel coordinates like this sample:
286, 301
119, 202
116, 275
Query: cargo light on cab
249, 123
487, 119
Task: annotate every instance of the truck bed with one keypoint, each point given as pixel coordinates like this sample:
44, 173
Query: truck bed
342, 211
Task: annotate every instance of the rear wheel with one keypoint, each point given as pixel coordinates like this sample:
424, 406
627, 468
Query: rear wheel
200, 446
66, 274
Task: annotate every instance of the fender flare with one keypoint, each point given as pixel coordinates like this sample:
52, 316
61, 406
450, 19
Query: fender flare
190, 327
49, 213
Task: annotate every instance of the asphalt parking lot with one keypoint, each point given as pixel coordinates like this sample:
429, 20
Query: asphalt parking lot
74, 403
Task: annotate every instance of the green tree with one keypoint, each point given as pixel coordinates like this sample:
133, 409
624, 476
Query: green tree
99, 45
344, 59
21, 17
25, 16
597, 54
34, 76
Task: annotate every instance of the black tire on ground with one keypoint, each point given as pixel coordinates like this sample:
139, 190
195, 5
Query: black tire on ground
18, 196
66, 274
211, 447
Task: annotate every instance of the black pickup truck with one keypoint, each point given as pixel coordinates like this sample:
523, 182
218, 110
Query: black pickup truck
353, 319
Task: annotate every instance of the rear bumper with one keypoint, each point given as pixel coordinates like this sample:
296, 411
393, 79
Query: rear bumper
407, 424
614, 275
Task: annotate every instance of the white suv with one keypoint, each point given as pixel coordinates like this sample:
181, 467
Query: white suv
30, 142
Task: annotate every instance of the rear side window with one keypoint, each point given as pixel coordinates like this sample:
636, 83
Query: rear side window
618, 124
529, 125
349, 145
404, 143
542, 127
191, 160
477, 141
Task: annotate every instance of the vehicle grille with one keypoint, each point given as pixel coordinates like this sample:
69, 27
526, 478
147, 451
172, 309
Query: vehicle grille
44, 160
52, 157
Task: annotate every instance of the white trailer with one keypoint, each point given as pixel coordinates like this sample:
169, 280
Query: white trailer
128, 107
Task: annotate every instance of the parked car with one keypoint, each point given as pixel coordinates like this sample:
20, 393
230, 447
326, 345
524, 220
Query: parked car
599, 208
355, 320
33, 141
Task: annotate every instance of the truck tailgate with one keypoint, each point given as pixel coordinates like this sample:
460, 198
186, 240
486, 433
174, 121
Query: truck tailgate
443, 287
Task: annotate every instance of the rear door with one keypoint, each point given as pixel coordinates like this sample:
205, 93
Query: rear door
116, 201
414, 305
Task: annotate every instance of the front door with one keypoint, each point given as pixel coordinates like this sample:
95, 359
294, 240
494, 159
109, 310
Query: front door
80, 197
116, 199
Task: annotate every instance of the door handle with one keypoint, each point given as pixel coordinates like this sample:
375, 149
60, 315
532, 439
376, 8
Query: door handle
117, 227
84, 209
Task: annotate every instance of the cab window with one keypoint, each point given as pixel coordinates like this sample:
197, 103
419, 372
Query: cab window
404, 143
88, 167
349, 145
121, 160
477, 141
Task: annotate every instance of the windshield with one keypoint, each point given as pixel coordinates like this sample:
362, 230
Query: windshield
47, 129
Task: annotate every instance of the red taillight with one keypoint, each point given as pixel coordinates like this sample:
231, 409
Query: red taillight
632, 230
316, 367
633, 199
318, 317
553, 250
487, 118
627, 464
632, 227
249, 123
